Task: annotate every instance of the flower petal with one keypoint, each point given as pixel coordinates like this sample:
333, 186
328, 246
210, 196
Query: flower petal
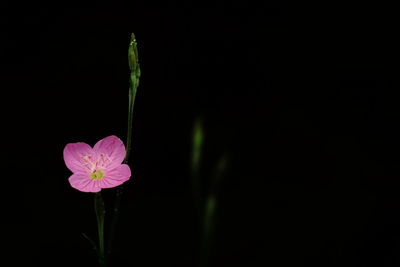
74, 154
82, 182
115, 177
114, 150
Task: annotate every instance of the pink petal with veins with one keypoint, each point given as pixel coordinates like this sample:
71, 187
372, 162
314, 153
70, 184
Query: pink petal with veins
111, 151
77, 156
83, 183
116, 176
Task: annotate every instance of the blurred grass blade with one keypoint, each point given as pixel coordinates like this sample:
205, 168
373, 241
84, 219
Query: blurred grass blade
208, 230
198, 136
209, 215
219, 174
210, 207
197, 147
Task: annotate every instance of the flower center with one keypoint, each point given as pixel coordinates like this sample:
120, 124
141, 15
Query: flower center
97, 175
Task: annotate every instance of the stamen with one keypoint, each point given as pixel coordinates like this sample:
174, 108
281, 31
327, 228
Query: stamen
88, 162
103, 160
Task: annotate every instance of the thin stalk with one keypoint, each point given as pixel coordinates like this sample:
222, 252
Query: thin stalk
100, 214
134, 67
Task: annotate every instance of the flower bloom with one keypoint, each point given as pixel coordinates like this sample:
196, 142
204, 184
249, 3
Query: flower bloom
98, 167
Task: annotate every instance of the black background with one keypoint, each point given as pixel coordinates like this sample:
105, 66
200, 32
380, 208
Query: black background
303, 99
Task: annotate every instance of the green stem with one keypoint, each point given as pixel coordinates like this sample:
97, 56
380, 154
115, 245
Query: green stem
134, 67
100, 214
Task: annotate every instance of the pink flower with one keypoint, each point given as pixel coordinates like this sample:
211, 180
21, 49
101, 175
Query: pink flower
98, 167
